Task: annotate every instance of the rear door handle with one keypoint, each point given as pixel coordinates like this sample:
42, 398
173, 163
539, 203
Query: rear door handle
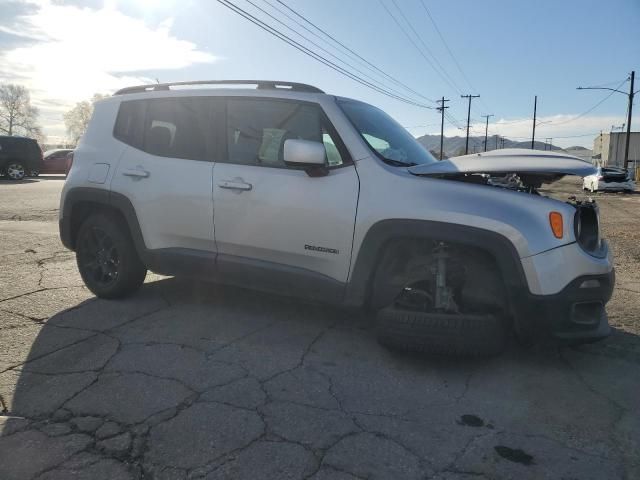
136, 172
235, 185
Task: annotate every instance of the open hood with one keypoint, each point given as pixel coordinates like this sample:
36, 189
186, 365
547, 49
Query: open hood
535, 165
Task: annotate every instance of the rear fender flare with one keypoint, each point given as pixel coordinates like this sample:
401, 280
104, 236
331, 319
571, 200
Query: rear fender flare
109, 200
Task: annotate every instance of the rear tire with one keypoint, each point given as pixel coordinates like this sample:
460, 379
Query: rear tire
107, 258
441, 333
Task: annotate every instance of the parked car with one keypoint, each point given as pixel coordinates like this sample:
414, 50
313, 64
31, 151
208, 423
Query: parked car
18, 156
609, 179
327, 198
55, 161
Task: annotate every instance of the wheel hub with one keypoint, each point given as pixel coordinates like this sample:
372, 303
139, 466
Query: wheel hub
100, 259
15, 171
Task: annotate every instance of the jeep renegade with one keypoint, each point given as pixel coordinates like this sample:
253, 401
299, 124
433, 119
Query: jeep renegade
286, 189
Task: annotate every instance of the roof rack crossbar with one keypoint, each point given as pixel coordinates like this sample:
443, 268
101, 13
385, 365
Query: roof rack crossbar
260, 84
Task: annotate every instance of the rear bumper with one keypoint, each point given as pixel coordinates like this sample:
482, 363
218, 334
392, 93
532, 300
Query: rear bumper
616, 186
576, 314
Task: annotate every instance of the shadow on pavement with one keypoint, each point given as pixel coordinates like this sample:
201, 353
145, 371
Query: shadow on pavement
192, 379
17, 182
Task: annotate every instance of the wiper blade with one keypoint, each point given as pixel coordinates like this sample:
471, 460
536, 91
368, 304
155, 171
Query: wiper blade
398, 163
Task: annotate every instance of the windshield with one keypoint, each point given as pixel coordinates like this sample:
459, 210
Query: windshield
384, 135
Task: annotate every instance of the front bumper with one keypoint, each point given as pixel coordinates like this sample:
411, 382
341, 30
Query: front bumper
576, 314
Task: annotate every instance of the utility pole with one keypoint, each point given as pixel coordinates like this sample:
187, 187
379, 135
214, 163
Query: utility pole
626, 144
533, 136
470, 97
630, 96
497, 137
486, 130
441, 109
613, 127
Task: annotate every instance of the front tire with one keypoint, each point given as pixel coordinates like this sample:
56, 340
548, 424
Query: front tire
441, 333
107, 258
15, 171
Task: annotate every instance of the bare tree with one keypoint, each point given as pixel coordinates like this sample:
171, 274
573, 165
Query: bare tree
77, 119
17, 115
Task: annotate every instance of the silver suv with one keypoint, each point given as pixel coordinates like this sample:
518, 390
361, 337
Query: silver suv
290, 190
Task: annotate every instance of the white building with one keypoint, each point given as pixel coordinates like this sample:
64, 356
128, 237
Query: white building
608, 149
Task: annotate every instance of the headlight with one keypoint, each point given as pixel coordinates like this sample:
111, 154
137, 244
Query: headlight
587, 227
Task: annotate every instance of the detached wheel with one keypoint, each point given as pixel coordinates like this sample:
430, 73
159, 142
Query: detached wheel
107, 259
34, 173
440, 333
15, 171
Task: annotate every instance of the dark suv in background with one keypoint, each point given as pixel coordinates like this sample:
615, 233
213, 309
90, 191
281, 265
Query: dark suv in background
19, 156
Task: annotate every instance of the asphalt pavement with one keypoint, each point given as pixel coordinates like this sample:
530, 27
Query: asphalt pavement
193, 380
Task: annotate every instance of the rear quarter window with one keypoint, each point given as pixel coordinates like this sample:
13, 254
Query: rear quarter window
129, 127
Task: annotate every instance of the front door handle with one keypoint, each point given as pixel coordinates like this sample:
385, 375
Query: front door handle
235, 185
136, 172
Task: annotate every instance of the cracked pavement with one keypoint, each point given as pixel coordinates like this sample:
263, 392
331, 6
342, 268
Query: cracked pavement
192, 380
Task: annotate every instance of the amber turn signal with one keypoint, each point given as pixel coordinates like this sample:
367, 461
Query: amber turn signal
555, 220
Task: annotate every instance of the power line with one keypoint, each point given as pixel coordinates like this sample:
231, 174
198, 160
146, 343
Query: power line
591, 109
416, 45
419, 37
453, 57
273, 31
391, 89
351, 52
446, 45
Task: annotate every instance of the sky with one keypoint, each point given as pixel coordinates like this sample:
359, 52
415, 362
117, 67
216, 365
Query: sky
505, 51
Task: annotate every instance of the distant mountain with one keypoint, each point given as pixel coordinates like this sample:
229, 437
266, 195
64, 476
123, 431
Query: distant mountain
454, 146
580, 152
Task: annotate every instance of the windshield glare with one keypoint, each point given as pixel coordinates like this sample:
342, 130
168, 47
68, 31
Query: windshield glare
384, 135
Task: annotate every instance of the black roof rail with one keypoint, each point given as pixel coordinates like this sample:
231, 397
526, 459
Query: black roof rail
260, 84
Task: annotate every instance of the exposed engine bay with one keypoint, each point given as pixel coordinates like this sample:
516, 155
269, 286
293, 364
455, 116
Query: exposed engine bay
528, 183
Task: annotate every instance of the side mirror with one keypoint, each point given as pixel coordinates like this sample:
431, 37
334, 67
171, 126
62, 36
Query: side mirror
307, 154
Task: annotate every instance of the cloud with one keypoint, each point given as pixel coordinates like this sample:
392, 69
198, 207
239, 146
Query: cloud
65, 53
